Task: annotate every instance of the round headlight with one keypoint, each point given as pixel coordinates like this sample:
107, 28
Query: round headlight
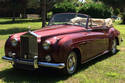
46, 45
14, 42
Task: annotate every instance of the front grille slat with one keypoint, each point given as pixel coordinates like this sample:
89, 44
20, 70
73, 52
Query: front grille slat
24, 46
29, 46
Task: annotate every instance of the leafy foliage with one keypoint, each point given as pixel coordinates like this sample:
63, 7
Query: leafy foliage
64, 7
116, 11
123, 18
115, 3
96, 10
7, 7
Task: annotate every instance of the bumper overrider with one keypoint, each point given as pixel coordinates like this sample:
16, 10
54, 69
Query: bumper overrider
34, 63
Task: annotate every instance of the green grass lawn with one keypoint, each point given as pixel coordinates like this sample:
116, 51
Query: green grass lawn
105, 69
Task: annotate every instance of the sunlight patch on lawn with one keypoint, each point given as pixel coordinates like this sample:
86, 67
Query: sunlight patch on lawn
5, 65
2, 42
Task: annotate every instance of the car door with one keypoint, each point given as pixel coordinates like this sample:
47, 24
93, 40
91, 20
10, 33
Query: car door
97, 42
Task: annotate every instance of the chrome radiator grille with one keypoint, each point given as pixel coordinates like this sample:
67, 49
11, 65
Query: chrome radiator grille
29, 47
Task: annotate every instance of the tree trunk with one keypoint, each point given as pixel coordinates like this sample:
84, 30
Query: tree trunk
23, 15
44, 12
13, 18
14, 11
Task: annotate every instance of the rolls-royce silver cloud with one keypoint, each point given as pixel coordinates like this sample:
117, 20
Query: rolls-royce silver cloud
69, 39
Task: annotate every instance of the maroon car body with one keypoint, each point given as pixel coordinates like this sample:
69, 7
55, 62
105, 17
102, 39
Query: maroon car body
61, 46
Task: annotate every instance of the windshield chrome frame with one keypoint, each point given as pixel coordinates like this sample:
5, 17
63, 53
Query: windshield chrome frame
70, 13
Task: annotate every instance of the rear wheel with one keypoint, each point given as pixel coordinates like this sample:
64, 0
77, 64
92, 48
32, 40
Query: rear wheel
114, 47
71, 63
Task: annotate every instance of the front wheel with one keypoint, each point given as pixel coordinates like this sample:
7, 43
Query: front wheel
114, 47
71, 63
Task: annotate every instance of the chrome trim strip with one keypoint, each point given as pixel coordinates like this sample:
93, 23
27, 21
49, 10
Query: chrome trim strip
34, 34
44, 64
16, 39
7, 58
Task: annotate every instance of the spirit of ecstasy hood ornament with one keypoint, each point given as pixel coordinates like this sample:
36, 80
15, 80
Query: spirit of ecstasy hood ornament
31, 32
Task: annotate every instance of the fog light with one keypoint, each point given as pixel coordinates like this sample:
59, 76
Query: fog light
48, 58
10, 54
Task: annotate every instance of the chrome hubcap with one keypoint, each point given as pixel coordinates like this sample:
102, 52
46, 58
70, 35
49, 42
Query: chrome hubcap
71, 62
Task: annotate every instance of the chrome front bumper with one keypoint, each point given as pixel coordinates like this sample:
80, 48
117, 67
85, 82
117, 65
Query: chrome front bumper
35, 63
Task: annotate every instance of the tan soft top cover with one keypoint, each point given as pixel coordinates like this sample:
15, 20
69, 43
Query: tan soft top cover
95, 21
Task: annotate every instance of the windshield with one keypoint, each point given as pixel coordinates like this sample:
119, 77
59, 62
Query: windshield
69, 18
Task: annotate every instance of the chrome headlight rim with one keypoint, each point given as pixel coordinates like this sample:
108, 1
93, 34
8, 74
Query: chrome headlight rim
46, 45
14, 42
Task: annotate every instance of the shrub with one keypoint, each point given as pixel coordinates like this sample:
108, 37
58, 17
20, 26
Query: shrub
64, 7
123, 17
116, 11
96, 10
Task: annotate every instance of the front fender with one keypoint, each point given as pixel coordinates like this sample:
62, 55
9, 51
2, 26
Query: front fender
66, 45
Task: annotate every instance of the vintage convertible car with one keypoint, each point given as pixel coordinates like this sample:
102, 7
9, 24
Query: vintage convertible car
69, 39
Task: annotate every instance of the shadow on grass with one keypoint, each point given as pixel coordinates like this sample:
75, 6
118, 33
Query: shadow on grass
12, 31
96, 60
20, 76
45, 75
20, 21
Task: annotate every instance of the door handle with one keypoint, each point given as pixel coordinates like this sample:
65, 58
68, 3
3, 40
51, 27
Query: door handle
85, 43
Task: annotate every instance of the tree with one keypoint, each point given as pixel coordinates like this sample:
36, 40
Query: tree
17, 6
46, 5
65, 7
43, 12
13, 8
96, 10
116, 4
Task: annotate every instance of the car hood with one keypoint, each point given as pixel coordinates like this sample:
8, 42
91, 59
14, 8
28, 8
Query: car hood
57, 30
52, 31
